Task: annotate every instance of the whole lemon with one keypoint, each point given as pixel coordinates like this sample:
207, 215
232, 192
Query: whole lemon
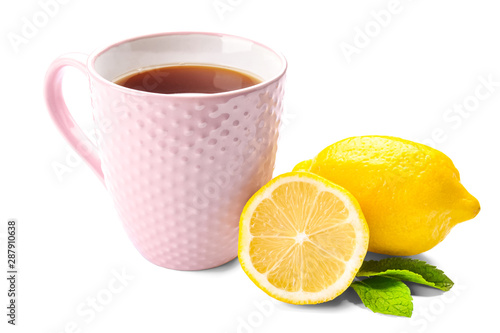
410, 193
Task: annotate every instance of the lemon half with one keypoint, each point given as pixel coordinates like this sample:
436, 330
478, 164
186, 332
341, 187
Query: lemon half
302, 238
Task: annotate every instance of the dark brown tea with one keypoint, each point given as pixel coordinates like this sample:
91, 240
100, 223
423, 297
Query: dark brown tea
187, 79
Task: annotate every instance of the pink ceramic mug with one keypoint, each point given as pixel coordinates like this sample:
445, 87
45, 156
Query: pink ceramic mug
179, 167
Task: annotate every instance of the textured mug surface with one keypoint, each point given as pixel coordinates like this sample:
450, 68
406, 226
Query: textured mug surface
179, 167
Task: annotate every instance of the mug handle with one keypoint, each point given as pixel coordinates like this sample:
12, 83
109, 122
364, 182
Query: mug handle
60, 114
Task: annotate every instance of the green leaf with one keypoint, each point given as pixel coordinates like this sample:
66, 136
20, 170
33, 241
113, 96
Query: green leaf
385, 295
407, 269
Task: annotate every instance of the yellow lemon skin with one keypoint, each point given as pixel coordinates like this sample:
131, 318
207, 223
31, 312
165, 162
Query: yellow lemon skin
303, 166
410, 193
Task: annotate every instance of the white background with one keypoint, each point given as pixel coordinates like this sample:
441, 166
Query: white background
429, 57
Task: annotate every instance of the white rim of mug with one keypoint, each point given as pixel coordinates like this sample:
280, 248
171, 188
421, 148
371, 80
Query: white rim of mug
93, 72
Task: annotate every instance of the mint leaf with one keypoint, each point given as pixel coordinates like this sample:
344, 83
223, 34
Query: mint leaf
407, 269
385, 295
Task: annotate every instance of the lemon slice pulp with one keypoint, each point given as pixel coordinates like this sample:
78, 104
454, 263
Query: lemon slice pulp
302, 238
